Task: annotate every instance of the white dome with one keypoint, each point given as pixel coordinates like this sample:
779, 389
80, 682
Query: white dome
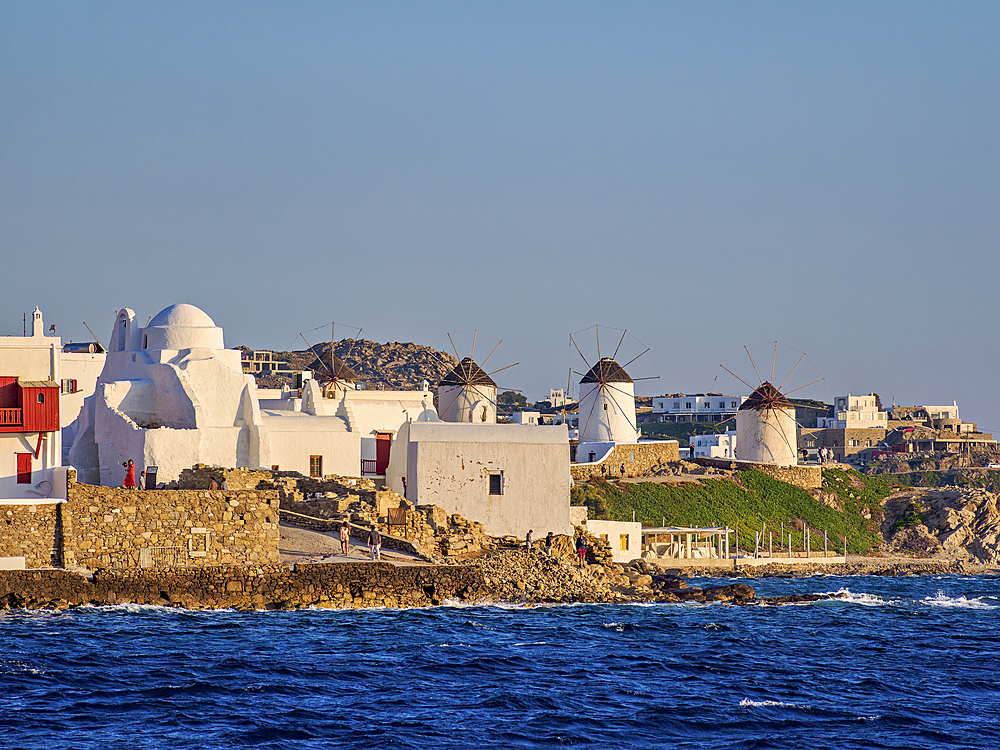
182, 327
183, 316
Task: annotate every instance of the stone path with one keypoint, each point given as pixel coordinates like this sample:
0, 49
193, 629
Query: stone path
300, 545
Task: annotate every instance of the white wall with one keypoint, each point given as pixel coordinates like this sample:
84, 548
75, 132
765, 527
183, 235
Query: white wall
767, 436
449, 465
295, 437
12, 443
85, 369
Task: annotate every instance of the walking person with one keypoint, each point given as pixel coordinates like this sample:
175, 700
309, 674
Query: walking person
129, 474
345, 539
548, 544
375, 544
581, 547
527, 541
623, 471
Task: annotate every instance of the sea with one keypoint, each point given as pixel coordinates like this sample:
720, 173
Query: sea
889, 663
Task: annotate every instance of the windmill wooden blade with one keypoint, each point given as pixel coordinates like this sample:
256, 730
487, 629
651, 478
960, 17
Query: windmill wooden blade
615, 355
759, 378
578, 351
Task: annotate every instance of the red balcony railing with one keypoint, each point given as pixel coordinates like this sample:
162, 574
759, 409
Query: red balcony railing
369, 466
14, 417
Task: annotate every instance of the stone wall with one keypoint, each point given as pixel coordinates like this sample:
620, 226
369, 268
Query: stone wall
113, 527
344, 585
806, 477
639, 459
33, 532
200, 476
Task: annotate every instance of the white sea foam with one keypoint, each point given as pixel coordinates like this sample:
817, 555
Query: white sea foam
748, 703
956, 602
867, 600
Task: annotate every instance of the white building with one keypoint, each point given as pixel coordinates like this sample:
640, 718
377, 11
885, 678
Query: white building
170, 395
855, 412
526, 417
30, 428
338, 429
507, 478
713, 446
623, 537
557, 397
766, 429
697, 407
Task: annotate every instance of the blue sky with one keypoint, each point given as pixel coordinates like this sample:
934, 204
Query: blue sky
706, 175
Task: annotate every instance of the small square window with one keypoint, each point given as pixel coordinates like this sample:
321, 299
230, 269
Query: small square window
496, 484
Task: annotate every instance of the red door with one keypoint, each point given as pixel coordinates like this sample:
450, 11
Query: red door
24, 468
383, 442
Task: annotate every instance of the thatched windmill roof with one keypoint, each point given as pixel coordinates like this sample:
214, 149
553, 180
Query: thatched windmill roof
766, 397
468, 372
606, 371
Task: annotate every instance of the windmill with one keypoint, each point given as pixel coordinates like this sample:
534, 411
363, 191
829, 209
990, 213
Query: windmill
766, 428
606, 407
341, 377
468, 393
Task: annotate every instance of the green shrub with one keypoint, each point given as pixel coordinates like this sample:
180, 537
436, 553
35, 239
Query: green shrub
756, 501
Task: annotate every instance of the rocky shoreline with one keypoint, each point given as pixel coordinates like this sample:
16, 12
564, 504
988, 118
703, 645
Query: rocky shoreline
508, 576
522, 577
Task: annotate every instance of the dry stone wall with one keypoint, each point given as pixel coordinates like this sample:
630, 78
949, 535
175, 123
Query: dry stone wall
32, 532
113, 527
345, 585
806, 477
639, 460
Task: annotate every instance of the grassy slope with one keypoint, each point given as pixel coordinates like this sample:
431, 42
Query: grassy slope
757, 499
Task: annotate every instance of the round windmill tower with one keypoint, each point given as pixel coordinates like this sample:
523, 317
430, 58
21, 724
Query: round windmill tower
607, 404
468, 394
766, 428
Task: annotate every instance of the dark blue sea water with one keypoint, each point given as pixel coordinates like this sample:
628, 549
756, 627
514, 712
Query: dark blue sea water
895, 663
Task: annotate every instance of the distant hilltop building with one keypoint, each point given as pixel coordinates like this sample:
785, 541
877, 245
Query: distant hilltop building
263, 363
855, 412
697, 407
557, 397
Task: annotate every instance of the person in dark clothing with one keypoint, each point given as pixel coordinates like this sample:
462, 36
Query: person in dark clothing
581, 547
548, 544
375, 544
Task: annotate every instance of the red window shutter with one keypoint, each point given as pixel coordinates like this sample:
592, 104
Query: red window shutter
24, 468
